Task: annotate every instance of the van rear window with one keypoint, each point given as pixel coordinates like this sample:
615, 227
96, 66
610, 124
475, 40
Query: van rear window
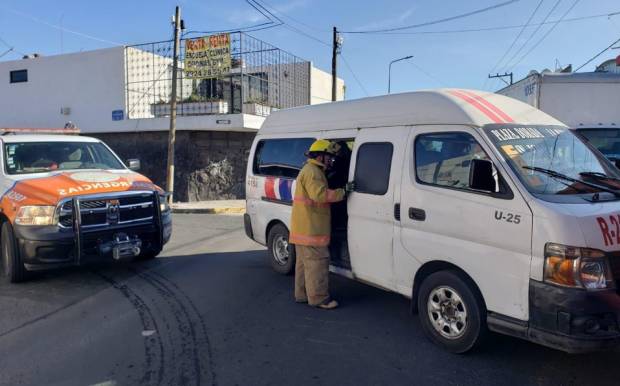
281, 157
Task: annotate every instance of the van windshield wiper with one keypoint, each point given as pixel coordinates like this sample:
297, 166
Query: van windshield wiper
559, 175
599, 175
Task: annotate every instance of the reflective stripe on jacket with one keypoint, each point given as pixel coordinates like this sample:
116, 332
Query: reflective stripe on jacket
310, 221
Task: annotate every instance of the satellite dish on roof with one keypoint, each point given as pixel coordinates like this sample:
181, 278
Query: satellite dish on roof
532, 72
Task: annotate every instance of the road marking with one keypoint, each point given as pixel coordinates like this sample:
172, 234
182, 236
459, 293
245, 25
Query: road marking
148, 332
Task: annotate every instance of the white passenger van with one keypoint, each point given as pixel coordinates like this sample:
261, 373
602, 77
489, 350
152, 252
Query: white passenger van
484, 211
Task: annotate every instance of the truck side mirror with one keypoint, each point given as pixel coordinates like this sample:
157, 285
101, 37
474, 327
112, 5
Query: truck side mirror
481, 175
133, 164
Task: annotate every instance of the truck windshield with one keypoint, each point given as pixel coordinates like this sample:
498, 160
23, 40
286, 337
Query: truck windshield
553, 163
39, 157
607, 141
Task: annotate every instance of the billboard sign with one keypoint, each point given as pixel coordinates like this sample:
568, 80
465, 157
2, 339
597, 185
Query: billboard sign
207, 57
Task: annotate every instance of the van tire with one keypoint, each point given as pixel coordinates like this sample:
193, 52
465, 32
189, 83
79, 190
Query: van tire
277, 239
12, 268
449, 296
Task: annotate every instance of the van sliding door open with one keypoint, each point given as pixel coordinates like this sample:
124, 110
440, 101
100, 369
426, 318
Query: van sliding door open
375, 169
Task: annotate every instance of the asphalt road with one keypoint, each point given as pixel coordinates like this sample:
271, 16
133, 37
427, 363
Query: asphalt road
210, 311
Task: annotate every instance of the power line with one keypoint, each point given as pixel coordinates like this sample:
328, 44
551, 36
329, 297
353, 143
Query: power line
60, 28
294, 19
508, 65
501, 28
443, 20
239, 29
597, 55
547, 34
428, 74
256, 4
501, 60
11, 47
359, 83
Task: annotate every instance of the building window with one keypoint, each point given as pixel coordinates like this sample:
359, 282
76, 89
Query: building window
372, 168
281, 157
19, 76
444, 158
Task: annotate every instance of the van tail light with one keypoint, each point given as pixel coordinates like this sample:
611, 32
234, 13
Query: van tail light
577, 267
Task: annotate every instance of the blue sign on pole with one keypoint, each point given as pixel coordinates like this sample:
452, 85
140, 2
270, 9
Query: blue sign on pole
118, 115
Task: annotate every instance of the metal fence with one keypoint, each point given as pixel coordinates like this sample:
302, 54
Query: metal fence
262, 78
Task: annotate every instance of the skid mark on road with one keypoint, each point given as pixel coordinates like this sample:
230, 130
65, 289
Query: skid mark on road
184, 356
153, 346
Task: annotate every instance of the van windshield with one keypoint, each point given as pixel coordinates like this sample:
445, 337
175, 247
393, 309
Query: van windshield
555, 164
40, 157
607, 141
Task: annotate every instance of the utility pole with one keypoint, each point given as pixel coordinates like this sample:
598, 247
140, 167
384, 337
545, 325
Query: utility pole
334, 63
173, 105
502, 76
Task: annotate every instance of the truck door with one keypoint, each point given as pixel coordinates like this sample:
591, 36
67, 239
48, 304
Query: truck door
485, 233
375, 169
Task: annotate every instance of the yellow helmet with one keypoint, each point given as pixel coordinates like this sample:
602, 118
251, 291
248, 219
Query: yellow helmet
324, 146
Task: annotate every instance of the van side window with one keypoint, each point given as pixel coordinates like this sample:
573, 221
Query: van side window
372, 168
444, 159
281, 157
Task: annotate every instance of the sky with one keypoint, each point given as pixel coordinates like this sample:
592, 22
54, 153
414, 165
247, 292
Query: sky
445, 54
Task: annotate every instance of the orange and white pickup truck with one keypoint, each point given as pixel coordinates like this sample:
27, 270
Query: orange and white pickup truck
67, 200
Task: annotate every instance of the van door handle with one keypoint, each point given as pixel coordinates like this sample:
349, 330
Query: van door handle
417, 214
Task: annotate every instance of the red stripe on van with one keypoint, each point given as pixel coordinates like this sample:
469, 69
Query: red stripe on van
269, 188
491, 115
489, 105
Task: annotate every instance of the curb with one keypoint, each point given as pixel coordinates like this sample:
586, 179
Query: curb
225, 210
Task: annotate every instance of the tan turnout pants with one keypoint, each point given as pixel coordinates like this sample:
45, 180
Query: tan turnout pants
311, 274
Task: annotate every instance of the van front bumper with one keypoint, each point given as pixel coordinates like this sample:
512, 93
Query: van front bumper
568, 319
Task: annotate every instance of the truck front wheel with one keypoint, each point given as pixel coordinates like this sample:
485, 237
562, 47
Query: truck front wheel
451, 311
12, 267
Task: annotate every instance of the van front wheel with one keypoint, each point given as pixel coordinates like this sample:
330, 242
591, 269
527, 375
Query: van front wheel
451, 311
282, 253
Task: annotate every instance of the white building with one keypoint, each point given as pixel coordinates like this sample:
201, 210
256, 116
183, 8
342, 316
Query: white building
99, 92
121, 95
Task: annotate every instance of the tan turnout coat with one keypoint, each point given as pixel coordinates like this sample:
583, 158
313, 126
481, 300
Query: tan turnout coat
311, 218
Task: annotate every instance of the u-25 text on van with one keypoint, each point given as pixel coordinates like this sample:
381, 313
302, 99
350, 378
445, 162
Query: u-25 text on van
484, 211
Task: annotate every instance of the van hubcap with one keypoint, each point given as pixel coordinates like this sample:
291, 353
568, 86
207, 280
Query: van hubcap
447, 312
280, 249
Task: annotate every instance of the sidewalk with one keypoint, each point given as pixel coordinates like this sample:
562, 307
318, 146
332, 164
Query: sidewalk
210, 207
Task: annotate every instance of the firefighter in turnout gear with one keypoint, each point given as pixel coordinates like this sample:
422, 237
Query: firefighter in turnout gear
311, 226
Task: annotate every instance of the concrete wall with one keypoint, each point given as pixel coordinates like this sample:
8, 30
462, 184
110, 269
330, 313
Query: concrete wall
321, 87
209, 165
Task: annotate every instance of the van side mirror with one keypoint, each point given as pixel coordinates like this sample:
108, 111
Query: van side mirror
133, 164
481, 175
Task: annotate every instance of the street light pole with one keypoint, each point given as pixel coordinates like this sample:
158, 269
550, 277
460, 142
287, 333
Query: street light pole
390, 70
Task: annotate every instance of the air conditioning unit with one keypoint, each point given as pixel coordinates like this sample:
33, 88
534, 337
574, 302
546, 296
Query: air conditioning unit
65, 110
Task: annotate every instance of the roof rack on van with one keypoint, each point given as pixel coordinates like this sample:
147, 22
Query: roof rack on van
21, 130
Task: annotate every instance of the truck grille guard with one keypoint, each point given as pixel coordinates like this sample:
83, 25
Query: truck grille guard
101, 212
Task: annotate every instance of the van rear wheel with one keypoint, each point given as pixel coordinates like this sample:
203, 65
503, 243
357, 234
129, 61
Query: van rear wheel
282, 253
451, 311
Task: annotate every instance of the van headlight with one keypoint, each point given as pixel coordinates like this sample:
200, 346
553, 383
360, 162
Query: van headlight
577, 267
36, 215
